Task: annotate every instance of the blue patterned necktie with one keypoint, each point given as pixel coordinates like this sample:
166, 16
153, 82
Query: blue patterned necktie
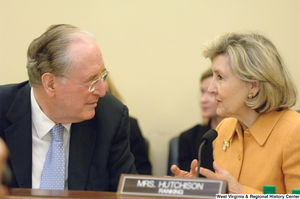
53, 175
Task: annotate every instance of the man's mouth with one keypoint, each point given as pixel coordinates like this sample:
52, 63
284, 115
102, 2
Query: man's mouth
93, 104
218, 102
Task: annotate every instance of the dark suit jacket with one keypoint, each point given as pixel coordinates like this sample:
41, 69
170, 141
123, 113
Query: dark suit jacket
189, 142
99, 148
139, 148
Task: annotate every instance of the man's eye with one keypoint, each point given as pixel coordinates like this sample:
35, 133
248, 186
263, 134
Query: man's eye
220, 77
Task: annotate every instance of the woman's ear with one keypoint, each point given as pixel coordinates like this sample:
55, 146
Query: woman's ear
49, 83
255, 87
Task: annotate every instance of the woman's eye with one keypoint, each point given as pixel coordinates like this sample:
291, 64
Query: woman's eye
220, 77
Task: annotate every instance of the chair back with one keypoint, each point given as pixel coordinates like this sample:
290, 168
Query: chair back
173, 154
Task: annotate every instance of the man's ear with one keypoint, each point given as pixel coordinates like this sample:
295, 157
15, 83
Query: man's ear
255, 87
49, 82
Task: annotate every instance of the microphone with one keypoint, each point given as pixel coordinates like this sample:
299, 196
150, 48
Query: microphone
207, 139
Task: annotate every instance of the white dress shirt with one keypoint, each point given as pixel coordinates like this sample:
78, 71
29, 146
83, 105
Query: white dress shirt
41, 140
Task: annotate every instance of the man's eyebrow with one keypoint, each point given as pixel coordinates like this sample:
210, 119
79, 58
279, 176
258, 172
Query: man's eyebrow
93, 77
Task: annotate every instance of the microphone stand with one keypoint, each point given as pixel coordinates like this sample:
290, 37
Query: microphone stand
199, 158
207, 138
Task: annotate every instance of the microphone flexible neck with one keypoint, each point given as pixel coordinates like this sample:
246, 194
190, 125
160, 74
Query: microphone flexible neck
199, 158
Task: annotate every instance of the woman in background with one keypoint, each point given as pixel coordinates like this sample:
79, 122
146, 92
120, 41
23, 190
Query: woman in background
190, 140
138, 145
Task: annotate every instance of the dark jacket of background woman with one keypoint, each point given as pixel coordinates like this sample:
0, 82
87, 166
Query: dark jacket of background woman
189, 142
139, 148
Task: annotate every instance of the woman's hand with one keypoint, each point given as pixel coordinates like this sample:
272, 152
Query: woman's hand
234, 187
180, 173
221, 174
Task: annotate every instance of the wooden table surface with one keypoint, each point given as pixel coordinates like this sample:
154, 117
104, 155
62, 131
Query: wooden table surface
18, 193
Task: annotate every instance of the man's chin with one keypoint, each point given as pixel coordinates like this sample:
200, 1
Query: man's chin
87, 116
90, 115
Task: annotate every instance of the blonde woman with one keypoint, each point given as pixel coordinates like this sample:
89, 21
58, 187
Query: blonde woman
259, 144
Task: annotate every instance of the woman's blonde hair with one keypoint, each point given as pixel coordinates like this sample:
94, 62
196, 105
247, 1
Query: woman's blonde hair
110, 87
252, 57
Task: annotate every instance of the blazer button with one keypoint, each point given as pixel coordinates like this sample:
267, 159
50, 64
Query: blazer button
239, 157
247, 134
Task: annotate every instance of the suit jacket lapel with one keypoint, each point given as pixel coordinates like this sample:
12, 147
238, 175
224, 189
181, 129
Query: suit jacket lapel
18, 137
82, 143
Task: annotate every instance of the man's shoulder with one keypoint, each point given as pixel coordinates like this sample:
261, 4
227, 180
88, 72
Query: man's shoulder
111, 100
14, 98
109, 105
9, 91
133, 120
12, 89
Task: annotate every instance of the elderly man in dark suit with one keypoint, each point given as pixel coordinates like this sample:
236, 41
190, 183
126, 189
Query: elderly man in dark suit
66, 88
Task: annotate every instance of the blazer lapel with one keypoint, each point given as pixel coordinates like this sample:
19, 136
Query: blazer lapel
18, 137
82, 143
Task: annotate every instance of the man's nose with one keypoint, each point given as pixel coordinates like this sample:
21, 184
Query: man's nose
100, 89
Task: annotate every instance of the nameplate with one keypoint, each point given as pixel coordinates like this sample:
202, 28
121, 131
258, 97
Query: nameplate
171, 186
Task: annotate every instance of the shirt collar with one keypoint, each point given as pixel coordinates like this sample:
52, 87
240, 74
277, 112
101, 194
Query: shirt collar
264, 125
40, 121
261, 129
